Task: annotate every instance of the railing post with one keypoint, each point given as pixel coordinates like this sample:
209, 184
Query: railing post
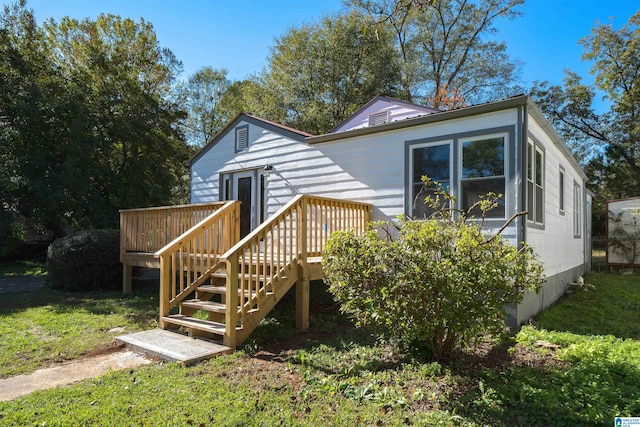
231, 314
165, 283
302, 285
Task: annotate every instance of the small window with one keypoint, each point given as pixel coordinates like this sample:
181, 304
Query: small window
535, 183
378, 118
561, 190
577, 210
242, 138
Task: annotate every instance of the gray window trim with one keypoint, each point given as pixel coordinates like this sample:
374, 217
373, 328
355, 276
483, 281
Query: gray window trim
510, 167
237, 141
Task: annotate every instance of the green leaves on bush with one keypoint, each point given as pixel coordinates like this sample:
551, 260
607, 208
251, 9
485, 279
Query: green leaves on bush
86, 260
437, 284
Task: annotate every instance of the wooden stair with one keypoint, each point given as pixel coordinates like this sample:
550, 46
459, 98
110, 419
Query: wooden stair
236, 282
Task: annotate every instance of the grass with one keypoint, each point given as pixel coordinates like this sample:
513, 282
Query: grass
46, 326
22, 268
577, 364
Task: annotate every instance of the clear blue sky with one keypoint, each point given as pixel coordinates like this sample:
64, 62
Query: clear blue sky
237, 34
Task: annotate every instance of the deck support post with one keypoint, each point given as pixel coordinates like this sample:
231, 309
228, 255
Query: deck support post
165, 292
127, 274
302, 299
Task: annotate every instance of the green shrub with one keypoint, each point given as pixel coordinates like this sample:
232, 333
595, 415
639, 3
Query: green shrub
86, 260
436, 284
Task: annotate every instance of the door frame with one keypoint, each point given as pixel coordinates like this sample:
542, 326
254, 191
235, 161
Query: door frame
257, 198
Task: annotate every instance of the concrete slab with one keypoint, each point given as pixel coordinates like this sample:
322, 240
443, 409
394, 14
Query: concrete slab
11, 388
173, 346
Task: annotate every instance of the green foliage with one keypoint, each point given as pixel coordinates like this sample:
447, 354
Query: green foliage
439, 284
201, 96
86, 127
85, 261
608, 143
318, 74
445, 49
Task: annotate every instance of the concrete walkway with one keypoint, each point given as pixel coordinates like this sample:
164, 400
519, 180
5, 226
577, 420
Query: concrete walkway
90, 367
21, 283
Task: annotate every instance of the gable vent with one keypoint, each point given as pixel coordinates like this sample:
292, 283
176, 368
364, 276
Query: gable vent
379, 118
242, 138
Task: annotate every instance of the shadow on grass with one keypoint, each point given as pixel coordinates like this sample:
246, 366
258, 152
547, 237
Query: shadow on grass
144, 300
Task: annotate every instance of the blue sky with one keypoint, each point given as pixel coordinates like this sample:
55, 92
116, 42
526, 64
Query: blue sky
237, 34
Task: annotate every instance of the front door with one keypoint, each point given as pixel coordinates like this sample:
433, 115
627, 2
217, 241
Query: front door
247, 189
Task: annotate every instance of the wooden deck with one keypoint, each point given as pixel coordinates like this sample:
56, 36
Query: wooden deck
205, 266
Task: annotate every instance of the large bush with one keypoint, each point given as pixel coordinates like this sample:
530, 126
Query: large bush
438, 283
86, 260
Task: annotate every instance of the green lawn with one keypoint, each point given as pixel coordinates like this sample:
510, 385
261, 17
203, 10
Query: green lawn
577, 364
22, 268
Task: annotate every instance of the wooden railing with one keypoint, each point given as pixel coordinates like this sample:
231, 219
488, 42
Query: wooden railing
271, 252
189, 260
148, 230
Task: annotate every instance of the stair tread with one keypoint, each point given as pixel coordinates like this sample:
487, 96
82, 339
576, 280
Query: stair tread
222, 290
205, 305
200, 324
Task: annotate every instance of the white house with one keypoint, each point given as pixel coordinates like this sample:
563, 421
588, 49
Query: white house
379, 154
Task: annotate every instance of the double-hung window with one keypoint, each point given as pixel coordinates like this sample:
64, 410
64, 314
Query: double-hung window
535, 183
434, 161
577, 210
483, 171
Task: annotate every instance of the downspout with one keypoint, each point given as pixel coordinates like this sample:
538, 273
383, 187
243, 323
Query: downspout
523, 129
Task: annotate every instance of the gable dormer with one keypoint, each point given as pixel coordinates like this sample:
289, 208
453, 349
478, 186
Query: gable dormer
381, 110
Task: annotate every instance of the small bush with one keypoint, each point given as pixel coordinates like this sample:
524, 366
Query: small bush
86, 260
436, 285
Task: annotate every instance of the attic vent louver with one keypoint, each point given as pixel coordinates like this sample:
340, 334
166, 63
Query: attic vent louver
379, 118
242, 138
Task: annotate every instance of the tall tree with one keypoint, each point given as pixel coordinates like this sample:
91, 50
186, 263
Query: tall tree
85, 125
445, 47
608, 143
318, 74
201, 96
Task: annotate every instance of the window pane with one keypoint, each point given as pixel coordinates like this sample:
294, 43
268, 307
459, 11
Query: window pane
530, 198
539, 164
561, 191
539, 204
432, 162
530, 161
419, 209
471, 190
483, 158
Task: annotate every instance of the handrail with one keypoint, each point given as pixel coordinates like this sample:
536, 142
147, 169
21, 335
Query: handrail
149, 229
187, 261
269, 253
